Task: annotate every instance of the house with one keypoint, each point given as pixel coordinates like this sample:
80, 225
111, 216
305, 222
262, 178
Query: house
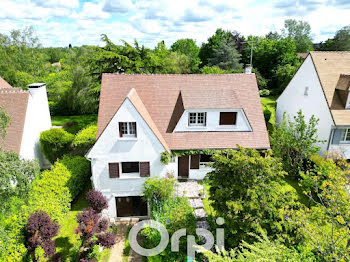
29, 115
141, 116
321, 88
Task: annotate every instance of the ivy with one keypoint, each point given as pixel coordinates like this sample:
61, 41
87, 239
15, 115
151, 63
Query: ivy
165, 157
4, 121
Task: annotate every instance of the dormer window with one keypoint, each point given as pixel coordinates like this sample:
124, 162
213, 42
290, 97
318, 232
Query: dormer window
127, 129
228, 118
197, 118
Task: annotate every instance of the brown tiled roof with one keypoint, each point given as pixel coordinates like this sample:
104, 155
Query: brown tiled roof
302, 55
166, 96
4, 84
330, 66
14, 101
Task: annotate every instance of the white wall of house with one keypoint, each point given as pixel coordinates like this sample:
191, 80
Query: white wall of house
37, 120
111, 148
212, 121
305, 92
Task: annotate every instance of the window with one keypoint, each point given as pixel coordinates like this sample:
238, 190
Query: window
197, 119
127, 129
204, 160
228, 118
306, 92
130, 167
345, 136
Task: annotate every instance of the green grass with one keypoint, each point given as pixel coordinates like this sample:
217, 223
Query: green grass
270, 103
127, 247
77, 122
301, 196
67, 242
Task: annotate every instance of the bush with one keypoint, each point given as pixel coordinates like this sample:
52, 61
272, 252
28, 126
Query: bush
50, 192
165, 158
97, 201
264, 92
267, 114
85, 139
160, 189
248, 191
80, 172
55, 143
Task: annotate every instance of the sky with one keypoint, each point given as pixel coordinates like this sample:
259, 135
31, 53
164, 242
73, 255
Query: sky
78, 22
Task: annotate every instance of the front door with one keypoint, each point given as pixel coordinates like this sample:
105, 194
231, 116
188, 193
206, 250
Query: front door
124, 206
183, 166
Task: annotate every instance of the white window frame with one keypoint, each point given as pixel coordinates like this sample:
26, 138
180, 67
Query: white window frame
130, 131
197, 116
131, 174
345, 133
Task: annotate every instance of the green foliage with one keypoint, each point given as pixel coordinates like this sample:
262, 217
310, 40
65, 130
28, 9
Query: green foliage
160, 188
325, 225
165, 158
79, 122
262, 250
300, 31
340, 42
226, 56
212, 70
80, 172
267, 114
247, 189
14, 168
294, 142
189, 48
264, 92
51, 193
283, 74
4, 122
55, 143
85, 139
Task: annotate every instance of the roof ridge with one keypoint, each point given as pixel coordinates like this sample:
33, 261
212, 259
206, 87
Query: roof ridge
143, 74
330, 51
12, 90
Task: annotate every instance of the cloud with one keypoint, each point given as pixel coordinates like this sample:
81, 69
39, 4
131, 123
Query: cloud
118, 6
91, 11
299, 7
57, 3
192, 16
340, 3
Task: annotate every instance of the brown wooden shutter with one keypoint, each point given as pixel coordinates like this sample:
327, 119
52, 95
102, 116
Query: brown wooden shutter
144, 169
135, 129
228, 118
195, 161
113, 170
120, 129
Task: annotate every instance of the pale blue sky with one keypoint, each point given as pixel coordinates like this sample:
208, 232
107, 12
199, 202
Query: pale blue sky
60, 22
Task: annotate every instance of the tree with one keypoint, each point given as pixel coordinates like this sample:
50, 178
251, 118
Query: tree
16, 175
295, 141
300, 31
4, 122
226, 56
189, 48
340, 42
247, 189
207, 50
39, 231
92, 228
325, 225
212, 70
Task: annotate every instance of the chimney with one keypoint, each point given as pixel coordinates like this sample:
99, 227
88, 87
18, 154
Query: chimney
248, 68
39, 98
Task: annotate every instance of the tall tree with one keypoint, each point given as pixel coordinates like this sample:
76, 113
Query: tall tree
189, 48
300, 31
340, 42
226, 56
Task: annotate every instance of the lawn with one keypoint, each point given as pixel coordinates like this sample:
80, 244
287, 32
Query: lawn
73, 124
67, 242
270, 103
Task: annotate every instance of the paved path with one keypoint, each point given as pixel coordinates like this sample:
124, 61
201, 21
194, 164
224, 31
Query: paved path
117, 249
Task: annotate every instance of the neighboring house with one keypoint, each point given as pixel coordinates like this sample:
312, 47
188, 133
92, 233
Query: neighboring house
141, 116
321, 88
29, 113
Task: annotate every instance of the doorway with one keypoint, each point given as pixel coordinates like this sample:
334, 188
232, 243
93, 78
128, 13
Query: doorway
131, 206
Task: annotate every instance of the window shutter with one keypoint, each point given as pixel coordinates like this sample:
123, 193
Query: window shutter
120, 129
337, 136
113, 170
144, 169
228, 118
195, 161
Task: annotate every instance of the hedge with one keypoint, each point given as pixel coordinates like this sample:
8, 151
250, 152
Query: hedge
55, 143
80, 172
85, 139
50, 192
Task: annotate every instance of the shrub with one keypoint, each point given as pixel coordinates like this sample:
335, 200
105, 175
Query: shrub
294, 142
39, 231
160, 189
80, 172
97, 201
264, 92
267, 114
50, 192
85, 139
248, 191
55, 143
165, 158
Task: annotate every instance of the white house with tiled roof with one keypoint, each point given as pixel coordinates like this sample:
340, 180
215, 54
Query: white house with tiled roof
321, 87
29, 115
141, 116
